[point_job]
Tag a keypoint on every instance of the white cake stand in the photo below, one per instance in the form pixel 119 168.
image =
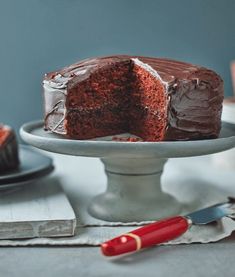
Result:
pixel 133 169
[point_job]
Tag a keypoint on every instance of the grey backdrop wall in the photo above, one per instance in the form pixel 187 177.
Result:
pixel 38 36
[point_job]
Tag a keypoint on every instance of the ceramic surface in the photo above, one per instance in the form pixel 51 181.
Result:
pixel 133 169
pixel 34 134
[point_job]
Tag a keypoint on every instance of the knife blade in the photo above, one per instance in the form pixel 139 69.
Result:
pixel 165 229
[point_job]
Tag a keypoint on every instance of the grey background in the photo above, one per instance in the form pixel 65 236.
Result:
pixel 38 36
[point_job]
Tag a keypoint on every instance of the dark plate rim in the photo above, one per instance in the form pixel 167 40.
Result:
pixel 34 173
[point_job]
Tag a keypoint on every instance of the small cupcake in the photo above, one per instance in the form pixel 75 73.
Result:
pixel 9 157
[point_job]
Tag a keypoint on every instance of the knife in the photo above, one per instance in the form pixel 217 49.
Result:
pixel 166 229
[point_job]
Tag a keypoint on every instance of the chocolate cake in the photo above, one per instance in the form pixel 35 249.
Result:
pixel 152 98
pixel 9 159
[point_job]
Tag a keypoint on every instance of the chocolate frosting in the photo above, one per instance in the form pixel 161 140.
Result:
pixel 195 94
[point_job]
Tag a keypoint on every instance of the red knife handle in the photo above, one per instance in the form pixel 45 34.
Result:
pixel 149 235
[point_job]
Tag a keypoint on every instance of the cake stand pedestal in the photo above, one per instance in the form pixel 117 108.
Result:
pixel 133 170
pixel 133 191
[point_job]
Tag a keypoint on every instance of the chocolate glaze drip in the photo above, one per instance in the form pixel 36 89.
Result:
pixel 195 94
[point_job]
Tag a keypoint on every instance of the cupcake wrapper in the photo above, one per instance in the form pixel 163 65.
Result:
pixel 9 158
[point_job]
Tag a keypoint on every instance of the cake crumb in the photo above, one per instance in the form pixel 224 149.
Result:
pixel 126 139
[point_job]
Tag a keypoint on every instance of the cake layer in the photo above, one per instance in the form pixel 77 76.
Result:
pixel 98 122
pixel 107 85
pixel 161 99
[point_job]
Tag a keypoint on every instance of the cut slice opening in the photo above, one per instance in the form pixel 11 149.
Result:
pixel 119 98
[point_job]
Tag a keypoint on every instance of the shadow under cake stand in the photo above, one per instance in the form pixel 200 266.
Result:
pixel 133 169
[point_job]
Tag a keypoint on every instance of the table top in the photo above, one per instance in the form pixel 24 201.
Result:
pixel 214 259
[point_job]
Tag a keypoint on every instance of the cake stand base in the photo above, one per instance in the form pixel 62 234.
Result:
pixel 133 192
